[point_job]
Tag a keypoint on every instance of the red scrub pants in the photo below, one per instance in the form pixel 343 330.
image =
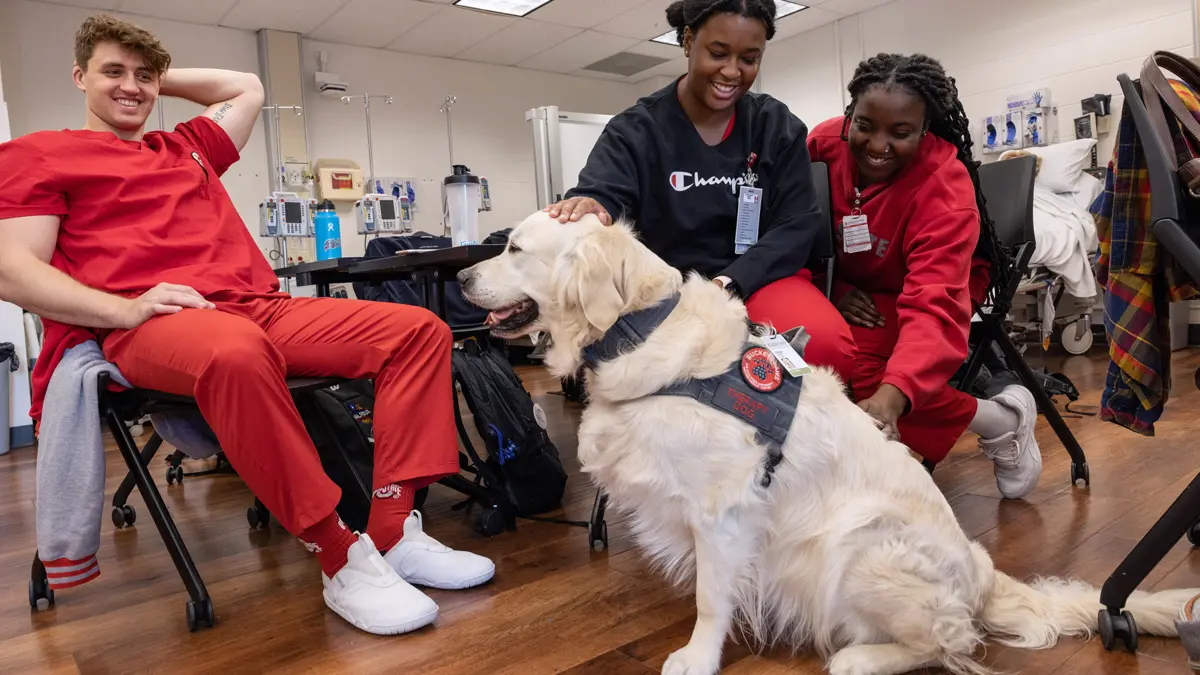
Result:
pixel 930 429
pixel 234 360
pixel 796 301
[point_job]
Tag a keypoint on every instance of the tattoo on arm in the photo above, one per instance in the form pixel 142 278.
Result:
pixel 220 113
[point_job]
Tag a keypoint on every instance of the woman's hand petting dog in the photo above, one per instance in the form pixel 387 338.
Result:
pixel 577 207
pixel 886 406
pixel 859 310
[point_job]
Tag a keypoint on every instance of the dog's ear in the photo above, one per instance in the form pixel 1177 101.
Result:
pixel 588 282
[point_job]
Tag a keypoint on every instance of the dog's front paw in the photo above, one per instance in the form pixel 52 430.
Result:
pixel 851 661
pixel 693 661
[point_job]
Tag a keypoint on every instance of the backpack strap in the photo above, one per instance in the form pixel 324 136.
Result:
pixel 1157 90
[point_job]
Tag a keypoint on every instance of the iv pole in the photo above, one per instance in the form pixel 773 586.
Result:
pixel 370 144
pixel 278 170
pixel 446 105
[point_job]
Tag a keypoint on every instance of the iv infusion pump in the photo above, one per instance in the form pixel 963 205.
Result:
pixel 285 214
pixel 382 213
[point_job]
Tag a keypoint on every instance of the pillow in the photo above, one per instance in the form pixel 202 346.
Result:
pixel 1063 163
pixel 1087 188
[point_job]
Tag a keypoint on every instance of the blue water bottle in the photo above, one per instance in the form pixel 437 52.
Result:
pixel 329 232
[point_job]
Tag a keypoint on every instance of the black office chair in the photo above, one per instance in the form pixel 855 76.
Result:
pixel 1177 237
pixel 115 408
pixel 821 261
pixel 1008 188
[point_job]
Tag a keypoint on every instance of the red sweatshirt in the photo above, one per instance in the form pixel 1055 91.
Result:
pixel 924 227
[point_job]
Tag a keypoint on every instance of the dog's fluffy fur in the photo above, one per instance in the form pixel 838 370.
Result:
pixel 851 550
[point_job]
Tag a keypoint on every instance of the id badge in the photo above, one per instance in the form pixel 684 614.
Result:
pixel 856 236
pixel 749 211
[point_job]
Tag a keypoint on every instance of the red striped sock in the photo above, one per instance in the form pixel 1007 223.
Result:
pixel 389 509
pixel 331 540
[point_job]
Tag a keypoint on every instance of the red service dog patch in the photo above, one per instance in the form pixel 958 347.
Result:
pixel 760 370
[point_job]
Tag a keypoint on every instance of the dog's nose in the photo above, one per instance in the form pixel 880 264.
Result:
pixel 465 277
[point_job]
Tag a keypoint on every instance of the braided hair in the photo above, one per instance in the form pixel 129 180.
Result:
pixel 946 119
pixel 684 14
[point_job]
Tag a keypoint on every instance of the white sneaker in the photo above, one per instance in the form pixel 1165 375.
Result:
pixel 1017 457
pixel 422 560
pixel 369 594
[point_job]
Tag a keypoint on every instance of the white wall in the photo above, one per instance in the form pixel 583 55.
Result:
pixel 491 135
pixel 1075 47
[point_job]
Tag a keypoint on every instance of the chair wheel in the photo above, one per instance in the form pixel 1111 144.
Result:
pixel 200 614
pixel 489 522
pixel 1081 472
pixel 599 535
pixel 40 590
pixel 175 475
pixel 1193 534
pixel 123 515
pixel 1113 626
pixel 258 518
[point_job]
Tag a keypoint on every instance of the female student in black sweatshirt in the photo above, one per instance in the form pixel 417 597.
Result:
pixel 679 163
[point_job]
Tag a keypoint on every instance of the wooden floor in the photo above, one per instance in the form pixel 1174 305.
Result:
pixel 555 606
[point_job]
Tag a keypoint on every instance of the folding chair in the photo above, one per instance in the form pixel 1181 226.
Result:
pixel 115 408
pixel 1177 237
pixel 1008 188
pixel 821 261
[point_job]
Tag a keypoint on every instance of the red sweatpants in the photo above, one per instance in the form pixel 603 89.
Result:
pixel 932 428
pixel 795 301
pixel 234 361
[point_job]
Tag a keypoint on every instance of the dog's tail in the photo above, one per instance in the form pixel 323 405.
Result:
pixel 1034 616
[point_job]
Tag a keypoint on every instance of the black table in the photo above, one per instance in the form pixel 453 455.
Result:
pixel 320 273
pixel 431 267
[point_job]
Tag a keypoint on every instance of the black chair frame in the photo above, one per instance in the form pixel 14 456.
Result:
pixel 1177 236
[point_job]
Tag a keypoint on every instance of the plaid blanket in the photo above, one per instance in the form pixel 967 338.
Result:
pixel 1140 281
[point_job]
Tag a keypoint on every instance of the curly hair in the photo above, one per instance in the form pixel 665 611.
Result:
pixel 925 77
pixel 101 28
pixel 693 14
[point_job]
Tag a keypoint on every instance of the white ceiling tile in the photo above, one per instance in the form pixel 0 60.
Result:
pixel 644 21
pixel 849 7
pixel 516 42
pixel 450 31
pixel 578 52
pixel 293 16
pixel 802 22
pixel 90 4
pixel 372 23
pixel 656 49
pixel 206 13
pixel 582 13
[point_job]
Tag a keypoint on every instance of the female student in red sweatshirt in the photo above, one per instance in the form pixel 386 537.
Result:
pixel 916 249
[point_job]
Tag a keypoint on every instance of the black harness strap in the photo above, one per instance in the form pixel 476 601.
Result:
pixel 770 412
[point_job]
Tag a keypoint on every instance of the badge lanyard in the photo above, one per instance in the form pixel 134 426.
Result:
pixel 749 212
pixel 856 235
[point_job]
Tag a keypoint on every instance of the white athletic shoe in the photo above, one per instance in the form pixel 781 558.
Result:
pixel 1017 457
pixel 369 594
pixel 422 560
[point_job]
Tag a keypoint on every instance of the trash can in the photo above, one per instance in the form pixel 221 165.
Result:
pixel 8 365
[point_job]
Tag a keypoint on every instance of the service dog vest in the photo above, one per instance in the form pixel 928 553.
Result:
pixel 755 389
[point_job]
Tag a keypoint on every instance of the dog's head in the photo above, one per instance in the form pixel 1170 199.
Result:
pixel 572 280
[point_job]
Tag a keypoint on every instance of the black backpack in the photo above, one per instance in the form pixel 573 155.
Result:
pixel 521 461
pixel 341 420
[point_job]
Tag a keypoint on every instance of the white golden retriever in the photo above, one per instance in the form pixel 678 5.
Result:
pixel 851 549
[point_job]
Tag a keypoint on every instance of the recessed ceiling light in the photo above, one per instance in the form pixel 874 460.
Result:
pixel 782 8
pixel 509 7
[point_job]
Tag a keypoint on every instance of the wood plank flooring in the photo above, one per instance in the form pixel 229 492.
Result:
pixel 556 606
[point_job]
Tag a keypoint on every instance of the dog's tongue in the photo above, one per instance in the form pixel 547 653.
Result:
pixel 500 315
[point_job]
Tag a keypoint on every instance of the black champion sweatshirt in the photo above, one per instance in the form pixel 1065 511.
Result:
pixel 651 168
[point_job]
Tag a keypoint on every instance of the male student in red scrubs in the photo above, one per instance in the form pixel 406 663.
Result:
pixel 129 238
pixel 916 249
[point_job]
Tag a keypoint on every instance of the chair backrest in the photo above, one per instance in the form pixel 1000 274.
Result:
pixel 1168 212
pixel 821 258
pixel 1008 188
